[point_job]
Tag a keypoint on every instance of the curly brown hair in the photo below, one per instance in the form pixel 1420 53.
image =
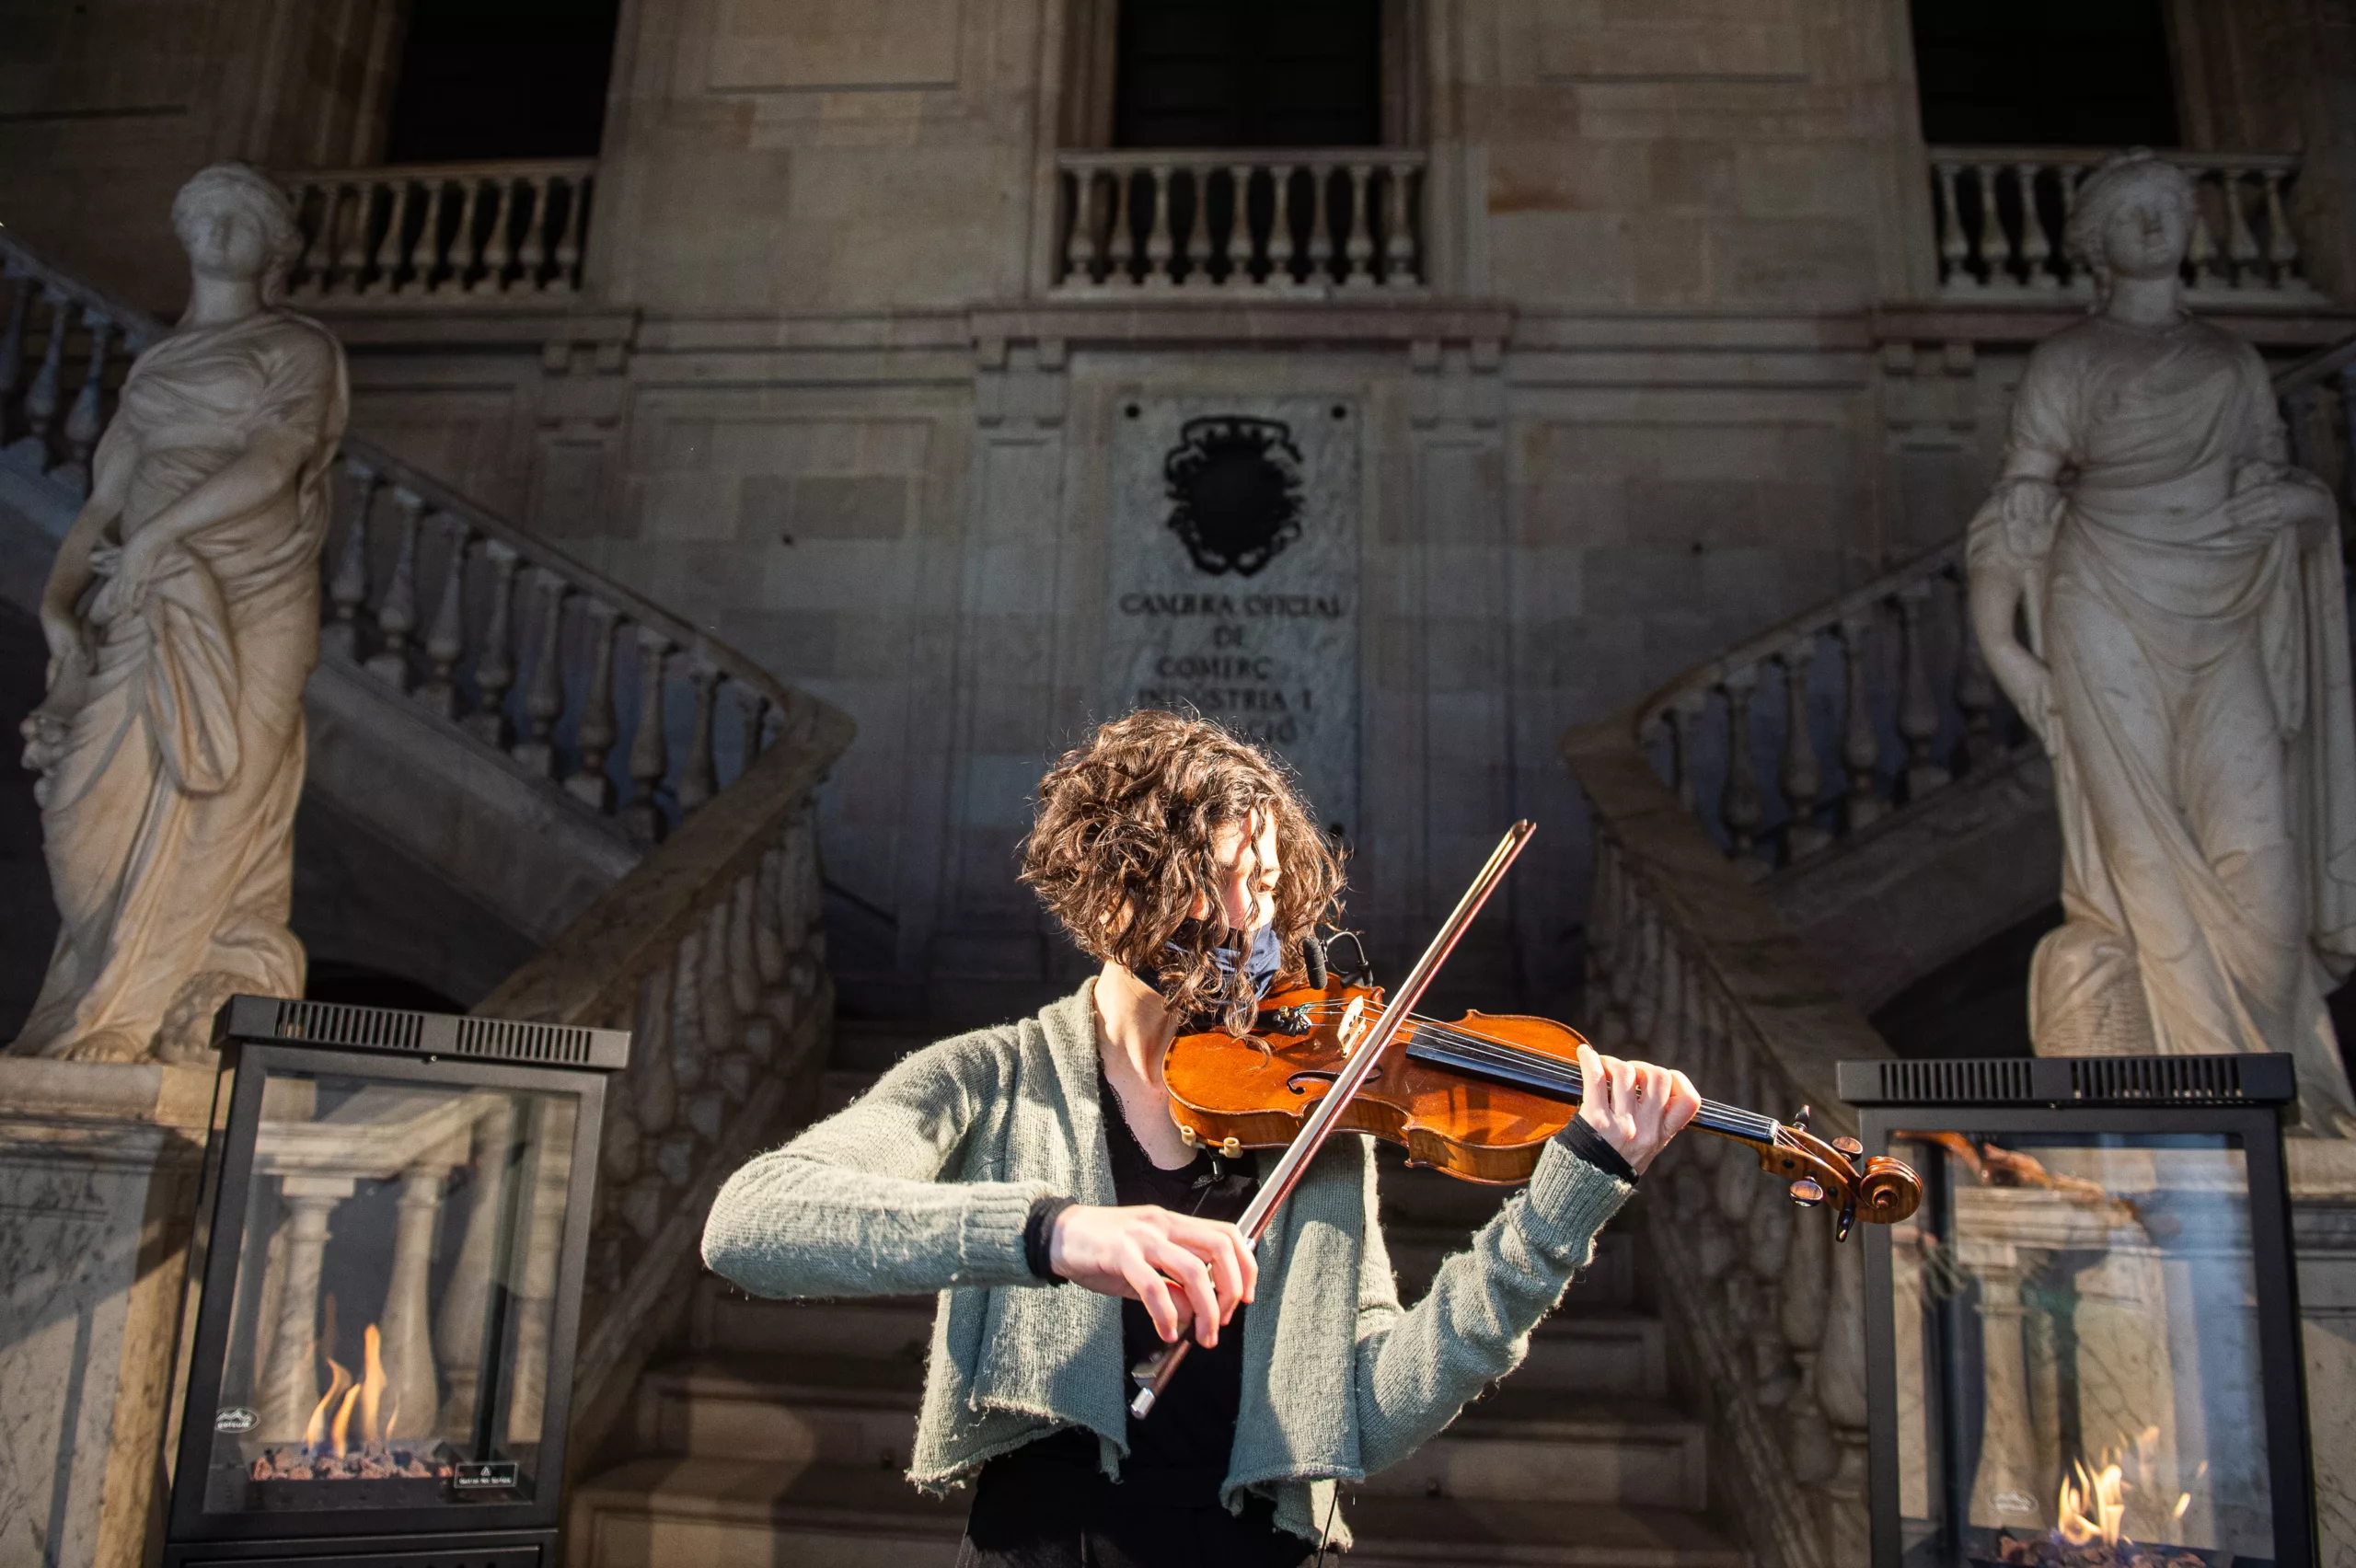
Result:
pixel 1124 840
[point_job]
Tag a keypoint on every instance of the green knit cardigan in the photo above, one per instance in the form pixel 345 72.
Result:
pixel 925 1183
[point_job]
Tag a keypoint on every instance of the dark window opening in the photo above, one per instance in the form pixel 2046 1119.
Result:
pixel 1234 74
pixel 502 79
pixel 2045 72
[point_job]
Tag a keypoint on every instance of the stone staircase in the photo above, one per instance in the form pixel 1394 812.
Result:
pixel 779 1431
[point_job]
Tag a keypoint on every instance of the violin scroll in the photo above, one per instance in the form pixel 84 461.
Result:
pixel 1881 1190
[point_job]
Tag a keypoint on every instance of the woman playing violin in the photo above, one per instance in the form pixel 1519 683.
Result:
pixel 1031 1174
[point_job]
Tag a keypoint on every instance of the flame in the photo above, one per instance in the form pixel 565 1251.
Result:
pixel 342 1434
pixel 371 1385
pixel 315 1432
pixel 2106 1490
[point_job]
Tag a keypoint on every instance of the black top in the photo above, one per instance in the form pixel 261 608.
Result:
pixel 1048 1505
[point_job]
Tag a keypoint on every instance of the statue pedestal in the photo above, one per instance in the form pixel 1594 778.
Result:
pixel 2323 1227
pixel 98 1172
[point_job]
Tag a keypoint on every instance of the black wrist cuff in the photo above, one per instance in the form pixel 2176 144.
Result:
pixel 1037 1231
pixel 1593 1147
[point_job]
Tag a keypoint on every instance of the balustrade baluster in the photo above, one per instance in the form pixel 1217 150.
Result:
pixel 387 261
pixel 543 703
pixel 1238 250
pixel 1994 247
pixel 1975 690
pixel 2200 250
pixel 496 251
pixel 1358 252
pixel 1954 250
pixel 1918 706
pixel 1198 236
pixel 752 714
pixel 465 248
pixel 1742 805
pixel 348 588
pixel 2241 245
pixel 446 642
pixel 1157 239
pixel 397 612
pixel 2037 246
pixel 1280 249
pixel 1121 243
pixel 1400 268
pixel 597 729
pixel 495 665
pixel 2348 438
pixel 650 748
pixel 353 261
pixel 311 268
pixel 426 255
pixel 1080 245
pixel 1683 715
pixel 12 341
pixel 40 398
pixel 568 250
pixel 2282 244
pixel 1321 222
pixel 2079 280
pixel 532 255
pixel 83 425
pixel 1802 778
pixel 1860 741
pixel 698 775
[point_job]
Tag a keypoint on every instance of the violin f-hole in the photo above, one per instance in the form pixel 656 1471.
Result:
pixel 1299 1082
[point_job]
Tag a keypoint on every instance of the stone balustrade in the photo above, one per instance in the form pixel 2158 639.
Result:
pixel 2001 211
pixel 1691 967
pixel 711 953
pixel 566 674
pixel 442 233
pixel 1221 221
pixel 1865 707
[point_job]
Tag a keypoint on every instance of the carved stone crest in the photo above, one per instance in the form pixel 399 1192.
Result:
pixel 1234 488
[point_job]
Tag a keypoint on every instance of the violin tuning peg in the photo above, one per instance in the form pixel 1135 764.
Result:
pixel 1853 1148
pixel 1800 1121
pixel 1807 1193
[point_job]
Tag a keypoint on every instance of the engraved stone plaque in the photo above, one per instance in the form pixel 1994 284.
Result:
pixel 1233 587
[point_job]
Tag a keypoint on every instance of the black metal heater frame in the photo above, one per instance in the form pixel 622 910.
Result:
pixel 2245 1097
pixel 258 1035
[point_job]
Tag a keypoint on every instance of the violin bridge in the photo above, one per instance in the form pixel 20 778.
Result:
pixel 1352 1026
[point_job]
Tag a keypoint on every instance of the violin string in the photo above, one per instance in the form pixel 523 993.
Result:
pixel 1713 1114
pixel 1475 1052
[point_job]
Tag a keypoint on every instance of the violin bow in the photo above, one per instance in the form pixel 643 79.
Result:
pixel 1153 1374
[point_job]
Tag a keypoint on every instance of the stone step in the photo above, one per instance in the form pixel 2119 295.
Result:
pixel 739 1513
pixel 1541 1446
pixel 1528 1443
pixel 831 1410
pixel 1608 1282
pixel 1593 1351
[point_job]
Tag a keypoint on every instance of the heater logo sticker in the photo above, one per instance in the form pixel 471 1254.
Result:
pixel 485 1475
pixel 235 1418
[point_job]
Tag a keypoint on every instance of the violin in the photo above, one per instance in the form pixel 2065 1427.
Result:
pixel 1477 1098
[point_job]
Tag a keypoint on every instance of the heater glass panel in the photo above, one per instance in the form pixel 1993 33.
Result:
pixel 395 1297
pixel 2078 1364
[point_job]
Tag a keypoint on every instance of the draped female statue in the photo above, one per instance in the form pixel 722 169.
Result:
pixel 182 618
pixel 2185 666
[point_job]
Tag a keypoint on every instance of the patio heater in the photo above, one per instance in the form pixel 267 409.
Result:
pixel 2083 1350
pixel 385 1288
